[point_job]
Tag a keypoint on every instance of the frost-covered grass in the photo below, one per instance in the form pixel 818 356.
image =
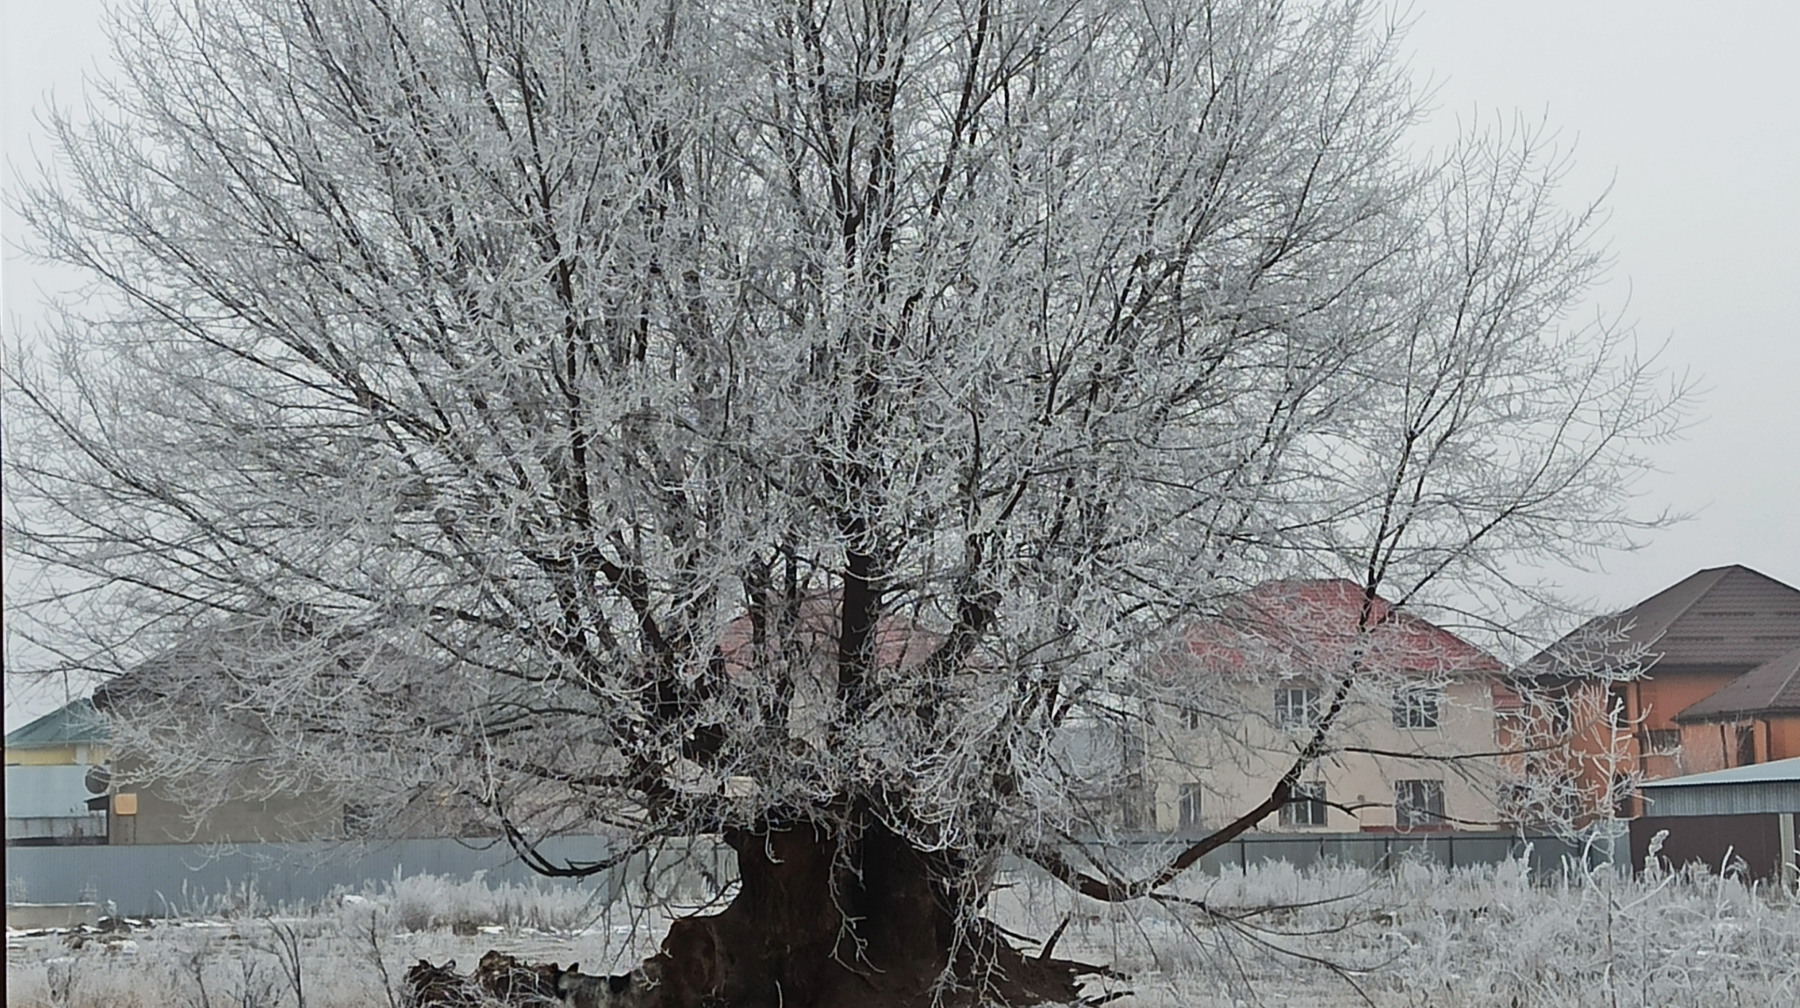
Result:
pixel 354 950
pixel 1426 935
pixel 1419 935
pixel 428 902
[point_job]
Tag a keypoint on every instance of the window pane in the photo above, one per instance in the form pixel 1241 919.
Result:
pixel 1307 807
pixel 1416 707
pixel 1190 805
pixel 1418 804
pixel 1296 706
pixel 1315 808
pixel 1662 741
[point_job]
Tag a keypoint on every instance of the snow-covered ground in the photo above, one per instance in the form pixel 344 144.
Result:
pixel 1419 935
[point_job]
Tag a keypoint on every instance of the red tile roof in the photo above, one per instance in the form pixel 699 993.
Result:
pixel 899 642
pixel 1294 627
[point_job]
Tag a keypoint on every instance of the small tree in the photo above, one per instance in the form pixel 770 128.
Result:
pixel 775 418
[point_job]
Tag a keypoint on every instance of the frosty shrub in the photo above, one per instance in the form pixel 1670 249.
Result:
pixel 424 902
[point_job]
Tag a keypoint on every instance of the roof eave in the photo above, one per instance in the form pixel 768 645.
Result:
pixel 1748 713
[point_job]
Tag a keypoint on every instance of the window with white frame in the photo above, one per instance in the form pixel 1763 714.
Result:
pixel 1417 706
pixel 1306 806
pixel 1296 706
pixel 1419 804
pixel 1661 741
pixel 1188 806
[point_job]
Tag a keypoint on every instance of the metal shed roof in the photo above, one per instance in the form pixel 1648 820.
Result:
pixel 74 722
pixel 1756 789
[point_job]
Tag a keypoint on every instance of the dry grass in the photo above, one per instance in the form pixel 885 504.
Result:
pixel 1420 935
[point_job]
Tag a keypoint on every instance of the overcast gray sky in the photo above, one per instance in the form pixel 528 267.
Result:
pixel 1689 112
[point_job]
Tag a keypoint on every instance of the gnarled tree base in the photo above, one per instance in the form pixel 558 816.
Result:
pixel 882 936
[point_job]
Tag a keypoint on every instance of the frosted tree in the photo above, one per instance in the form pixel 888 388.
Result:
pixel 780 419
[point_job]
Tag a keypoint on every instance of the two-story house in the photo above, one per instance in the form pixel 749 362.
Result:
pixel 1704 675
pixel 1411 744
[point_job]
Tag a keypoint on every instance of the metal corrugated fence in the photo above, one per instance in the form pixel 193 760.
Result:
pixel 1740 798
pixel 155 880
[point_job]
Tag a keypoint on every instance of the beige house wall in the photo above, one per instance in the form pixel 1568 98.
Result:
pixel 158 819
pixel 71 754
pixel 141 812
pixel 1237 764
pixel 161 821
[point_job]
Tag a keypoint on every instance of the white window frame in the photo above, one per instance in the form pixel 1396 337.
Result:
pixel 1308 806
pixel 1409 815
pixel 1296 706
pixel 1653 736
pixel 1418 708
pixel 1188 805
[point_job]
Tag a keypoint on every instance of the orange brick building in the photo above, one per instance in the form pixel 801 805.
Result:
pixel 1709 678
pixel 1755 719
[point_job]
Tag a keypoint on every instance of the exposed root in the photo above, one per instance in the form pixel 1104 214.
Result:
pixel 813 925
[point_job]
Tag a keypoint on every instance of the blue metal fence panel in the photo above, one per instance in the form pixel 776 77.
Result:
pixel 159 879
pixel 153 880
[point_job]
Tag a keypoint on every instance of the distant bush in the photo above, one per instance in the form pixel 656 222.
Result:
pixel 430 902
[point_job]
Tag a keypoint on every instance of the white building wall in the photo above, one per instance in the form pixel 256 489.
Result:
pixel 1237 763
pixel 36 792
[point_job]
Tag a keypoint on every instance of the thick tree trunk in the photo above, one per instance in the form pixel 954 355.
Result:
pixel 817 925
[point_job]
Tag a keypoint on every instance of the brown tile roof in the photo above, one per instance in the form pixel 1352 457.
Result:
pixel 1719 618
pixel 1770 688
